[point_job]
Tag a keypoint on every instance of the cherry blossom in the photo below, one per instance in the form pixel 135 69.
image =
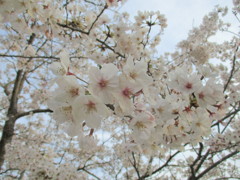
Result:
pixel 85 94
pixel 89 109
pixel 61 68
pixel 104 82
pixel 136 73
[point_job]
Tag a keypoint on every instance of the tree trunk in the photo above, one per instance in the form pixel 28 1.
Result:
pixel 7 134
pixel 8 129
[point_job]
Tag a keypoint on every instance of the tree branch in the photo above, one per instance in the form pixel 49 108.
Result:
pixel 227 116
pixel 32 57
pixel 8 129
pixel 232 71
pixel 193 171
pixel 163 166
pixel 202 160
pixel 110 48
pixel 98 16
pixel 216 164
pixel 93 175
pixel 80 30
pixel 19 115
pixel 12 110
pixel 134 164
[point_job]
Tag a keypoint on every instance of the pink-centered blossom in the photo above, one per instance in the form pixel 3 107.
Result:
pixel 89 109
pixel 68 90
pixel 123 96
pixel 136 73
pixel 103 82
pixel 61 68
pixel 182 81
pixel 142 125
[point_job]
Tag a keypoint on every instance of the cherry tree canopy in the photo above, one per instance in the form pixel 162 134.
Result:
pixel 86 95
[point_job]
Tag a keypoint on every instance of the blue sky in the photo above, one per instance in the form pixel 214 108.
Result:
pixel 181 16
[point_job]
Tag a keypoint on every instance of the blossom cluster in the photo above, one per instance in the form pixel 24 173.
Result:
pixel 229 140
pixel 114 103
pixel 181 112
pixel 162 103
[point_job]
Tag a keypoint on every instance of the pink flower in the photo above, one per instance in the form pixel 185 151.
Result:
pixel 124 94
pixel 103 82
pixel 89 109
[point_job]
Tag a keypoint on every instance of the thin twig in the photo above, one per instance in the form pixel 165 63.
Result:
pixel 232 70
pixel 216 164
pixel 33 57
pixel 19 115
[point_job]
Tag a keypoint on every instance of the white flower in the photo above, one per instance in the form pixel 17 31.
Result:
pixel 124 94
pixel 142 125
pixel 201 123
pixel 200 54
pixel 182 81
pixel 97 57
pixel 68 89
pixel 89 109
pixel 63 115
pixel 103 82
pixel 137 73
pixel 87 144
pixel 209 94
pixel 73 128
pixel 163 110
pixel 189 84
pixel 61 68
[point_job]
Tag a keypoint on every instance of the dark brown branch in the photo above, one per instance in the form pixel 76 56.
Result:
pixel 78 57
pixel 38 57
pixel 149 165
pixel 193 171
pixel 65 151
pixel 89 31
pixel 8 129
pixel 116 176
pixel 72 28
pixel 41 45
pixel 12 110
pixel 90 2
pixel 134 164
pixel 216 164
pixel 148 35
pixel 19 115
pixel 80 30
pixel 228 123
pixel 100 41
pixel 11 169
pixel 32 57
pixel 88 172
pixel 232 177
pixel 232 70
pixel 227 116
pixel 21 175
pixel 202 160
pixel 110 48
pixel 235 14
pixel 93 175
pixel 163 166
pixel 98 16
